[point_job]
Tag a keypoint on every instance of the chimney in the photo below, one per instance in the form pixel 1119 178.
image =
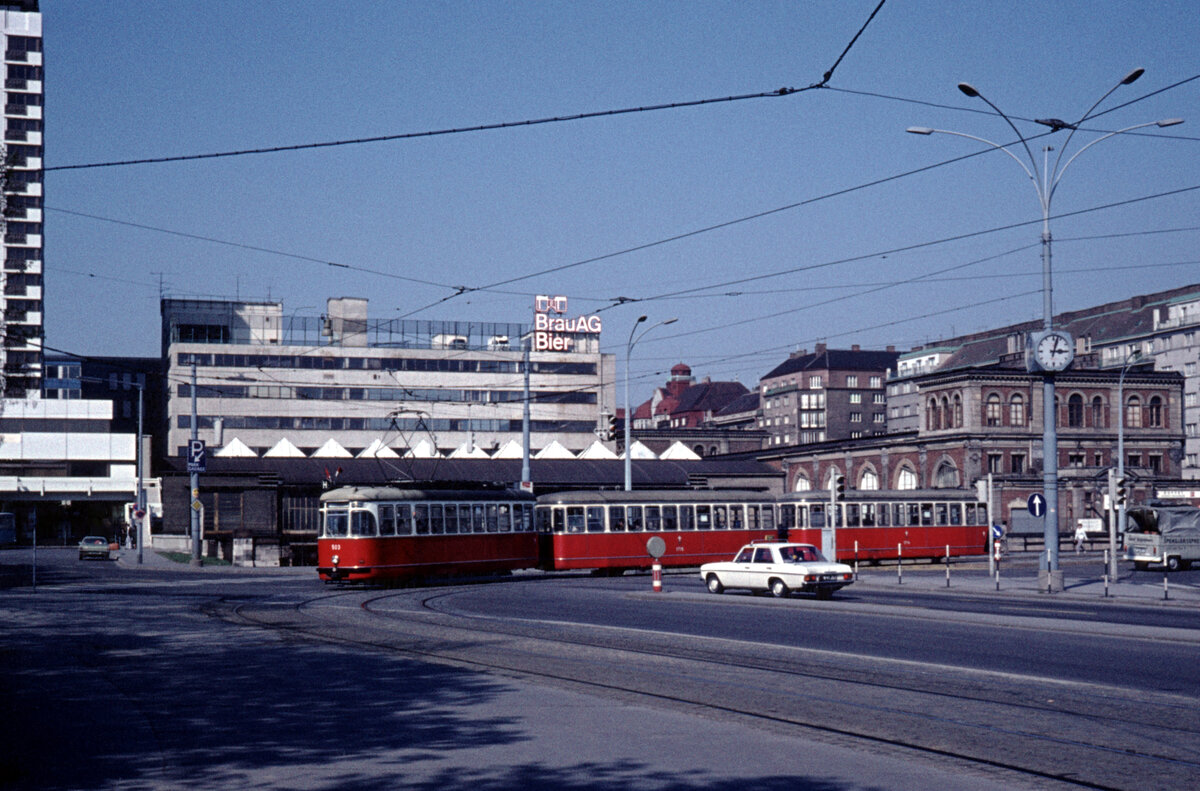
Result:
pixel 820 349
pixel 854 347
pixel 891 348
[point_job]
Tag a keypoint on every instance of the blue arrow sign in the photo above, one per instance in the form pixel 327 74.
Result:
pixel 1036 504
pixel 997 532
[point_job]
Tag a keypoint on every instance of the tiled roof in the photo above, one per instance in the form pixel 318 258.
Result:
pixel 709 396
pixel 836 360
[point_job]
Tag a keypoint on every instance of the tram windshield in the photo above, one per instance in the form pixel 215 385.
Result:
pixel 337 523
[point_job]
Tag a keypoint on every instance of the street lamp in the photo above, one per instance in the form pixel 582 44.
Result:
pixel 628 410
pixel 1050 351
pixel 1130 358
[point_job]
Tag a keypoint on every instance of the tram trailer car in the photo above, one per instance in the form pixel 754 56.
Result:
pixel 608 530
pixel 391 534
pixel 874 525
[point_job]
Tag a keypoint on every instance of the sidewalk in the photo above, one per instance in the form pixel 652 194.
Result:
pixel 1083 578
pixel 153 559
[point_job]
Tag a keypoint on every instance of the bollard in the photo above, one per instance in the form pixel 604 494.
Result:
pixel 947 565
pixel 1106 584
pixel 899 564
pixel 1166 593
pixel 657 573
pixel 856 561
pixel 997 577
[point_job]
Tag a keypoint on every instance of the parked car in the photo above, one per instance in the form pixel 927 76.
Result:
pixel 94 547
pixel 780 568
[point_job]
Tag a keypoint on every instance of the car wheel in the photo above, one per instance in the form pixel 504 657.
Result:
pixel 778 588
pixel 1173 564
pixel 714 584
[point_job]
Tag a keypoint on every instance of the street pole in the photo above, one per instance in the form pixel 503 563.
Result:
pixel 628 408
pixel 141 491
pixel 526 480
pixel 194 481
pixel 1045 181
pixel 1120 507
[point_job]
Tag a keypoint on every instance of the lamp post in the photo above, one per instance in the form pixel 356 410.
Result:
pixel 1132 356
pixel 1050 351
pixel 628 409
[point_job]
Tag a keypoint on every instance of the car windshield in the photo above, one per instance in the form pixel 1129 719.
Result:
pixel 800 554
pixel 94 541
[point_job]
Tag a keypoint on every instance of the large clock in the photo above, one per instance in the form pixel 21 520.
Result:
pixel 1053 350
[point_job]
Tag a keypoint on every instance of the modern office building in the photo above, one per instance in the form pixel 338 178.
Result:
pixel 21 185
pixel 341 385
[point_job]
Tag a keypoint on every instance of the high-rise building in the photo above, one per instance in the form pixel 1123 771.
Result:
pixel 21 325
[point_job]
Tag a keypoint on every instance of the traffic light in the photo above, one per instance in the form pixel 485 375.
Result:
pixel 839 487
pixel 610 427
pixel 1120 493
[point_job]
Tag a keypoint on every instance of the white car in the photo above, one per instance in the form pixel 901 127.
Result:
pixel 780 568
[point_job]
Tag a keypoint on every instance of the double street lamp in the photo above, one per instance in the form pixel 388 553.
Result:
pixel 628 410
pixel 1048 351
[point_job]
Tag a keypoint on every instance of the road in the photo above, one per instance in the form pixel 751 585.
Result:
pixel 126 677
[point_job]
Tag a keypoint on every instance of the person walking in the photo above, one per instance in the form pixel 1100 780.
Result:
pixel 1080 537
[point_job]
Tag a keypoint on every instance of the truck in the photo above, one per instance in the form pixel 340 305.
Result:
pixel 1163 535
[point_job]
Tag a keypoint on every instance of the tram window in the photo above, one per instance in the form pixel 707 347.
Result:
pixel 505 514
pixel 437 525
pixel 719 519
pixel 817 512
pixel 635 518
pixel 616 518
pixel 336 523
pixel 704 517
pixel 421 519
pixel 451 511
pixel 801 516
pixel 970 514
pixel 898 515
pixel 543 519
pixel 687 517
pixel 884 513
pixel 493 518
pixel 575 519
pixel 940 509
pixel 595 519
pixel 362 523
pixel 787 516
pixel 653 519
pixel 478 519
pixel 735 518
pixel 926 514
pixel 768 517
pixel 670 518
pixel 852 519
pixel 559 522
pixel 404 520
pixel 981 514
pixel 914 514
pixel 527 518
pixel 387 520
pixel 868 514
pixel 956 513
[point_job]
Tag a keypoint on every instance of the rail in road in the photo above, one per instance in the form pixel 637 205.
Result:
pixel 1048 730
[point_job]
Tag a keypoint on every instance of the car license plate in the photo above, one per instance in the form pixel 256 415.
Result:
pixel 828 577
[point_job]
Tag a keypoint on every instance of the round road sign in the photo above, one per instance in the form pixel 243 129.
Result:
pixel 656 547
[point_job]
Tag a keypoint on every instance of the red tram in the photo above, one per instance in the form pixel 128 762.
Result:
pixel 874 525
pixel 389 533
pixel 608 530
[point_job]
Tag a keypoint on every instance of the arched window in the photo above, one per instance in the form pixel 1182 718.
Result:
pixel 1154 412
pixel 1075 410
pixel 947 415
pixel 906 478
pixel 698 450
pixel 958 415
pixel 1133 412
pixel 991 415
pixel 1098 420
pixel 868 480
pixel 802 484
pixel 932 418
pixel 1016 410
pixel 946 476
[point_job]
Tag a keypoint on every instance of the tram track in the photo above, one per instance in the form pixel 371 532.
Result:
pixel 936 713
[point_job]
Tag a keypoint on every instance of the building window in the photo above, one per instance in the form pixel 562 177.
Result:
pixel 856 398
pixel 876 381
pixel 814 383
pixel 803 484
pixel 995 463
pixel 958 413
pixel 1134 460
pixel 868 481
pixel 856 417
pixel 992 411
pixel 1154 414
pixel 851 381
pixel 906 479
pixel 1017 466
pixel 1154 462
pixel 1133 412
pixel 878 398
pixel 1098 420
pixel 1016 410
pixel 879 417
pixel 1075 411
pixel 1075 459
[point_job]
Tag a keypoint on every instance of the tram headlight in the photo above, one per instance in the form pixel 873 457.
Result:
pixel 335 559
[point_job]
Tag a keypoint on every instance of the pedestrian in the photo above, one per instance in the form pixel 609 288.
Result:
pixel 1080 537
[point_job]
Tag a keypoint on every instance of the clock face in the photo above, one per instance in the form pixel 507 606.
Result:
pixel 1055 351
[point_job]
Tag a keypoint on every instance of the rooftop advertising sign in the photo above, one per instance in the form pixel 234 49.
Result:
pixel 553 331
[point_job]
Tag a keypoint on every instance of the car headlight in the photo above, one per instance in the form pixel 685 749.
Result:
pixel 335 559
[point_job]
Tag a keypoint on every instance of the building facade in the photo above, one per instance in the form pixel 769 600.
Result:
pixel 829 394
pixel 21 321
pixel 264 378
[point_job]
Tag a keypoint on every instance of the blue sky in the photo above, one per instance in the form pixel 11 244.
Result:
pixel 414 218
